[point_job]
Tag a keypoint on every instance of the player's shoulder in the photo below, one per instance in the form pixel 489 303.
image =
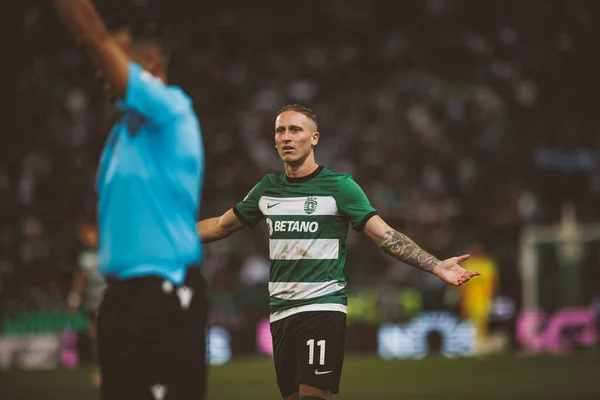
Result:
pixel 334 176
pixel 340 183
pixel 266 181
pixel 272 178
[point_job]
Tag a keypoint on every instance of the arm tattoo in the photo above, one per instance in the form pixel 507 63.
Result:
pixel 400 246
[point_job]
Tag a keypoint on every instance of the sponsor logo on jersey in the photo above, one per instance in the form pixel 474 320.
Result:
pixel 292 226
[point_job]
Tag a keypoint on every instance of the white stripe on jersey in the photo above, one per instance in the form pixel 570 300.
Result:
pixel 303 290
pixel 325 205
pixel 304 249
pixel 309 307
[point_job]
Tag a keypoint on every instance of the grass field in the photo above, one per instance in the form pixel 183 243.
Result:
pixel 365 378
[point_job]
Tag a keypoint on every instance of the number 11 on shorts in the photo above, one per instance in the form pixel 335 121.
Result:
pixel 311 351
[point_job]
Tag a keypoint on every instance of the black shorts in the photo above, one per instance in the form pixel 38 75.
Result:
pixel 152 339
pixel 308 348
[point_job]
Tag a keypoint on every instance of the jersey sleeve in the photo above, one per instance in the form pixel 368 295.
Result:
pixel 353 203
pixel 151 98
pixel 248 210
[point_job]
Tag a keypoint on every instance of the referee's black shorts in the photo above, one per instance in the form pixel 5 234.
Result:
pixel 152 339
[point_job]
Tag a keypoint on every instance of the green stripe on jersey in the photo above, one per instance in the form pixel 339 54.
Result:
pixel 302 227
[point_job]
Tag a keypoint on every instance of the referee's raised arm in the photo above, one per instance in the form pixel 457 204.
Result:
pixel 87 28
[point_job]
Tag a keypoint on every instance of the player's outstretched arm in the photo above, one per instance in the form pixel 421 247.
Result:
pixel 401 247
pixel 87 28
pixel 213 229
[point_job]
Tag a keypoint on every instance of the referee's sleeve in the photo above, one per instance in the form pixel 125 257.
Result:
pixel 152 98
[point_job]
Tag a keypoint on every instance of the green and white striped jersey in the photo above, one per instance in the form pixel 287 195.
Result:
pixel 308 220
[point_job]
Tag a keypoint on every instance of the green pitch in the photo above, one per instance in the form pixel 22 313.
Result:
pixel 365 378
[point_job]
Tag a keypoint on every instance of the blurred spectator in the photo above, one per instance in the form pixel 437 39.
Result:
pixel 477 299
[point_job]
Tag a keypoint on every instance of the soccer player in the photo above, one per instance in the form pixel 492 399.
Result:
pixel 307 211
pixel 152 318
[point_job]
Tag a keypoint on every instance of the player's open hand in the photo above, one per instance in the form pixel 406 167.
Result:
pixel 452 273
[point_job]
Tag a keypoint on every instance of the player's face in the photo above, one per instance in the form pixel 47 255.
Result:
pixel 295 136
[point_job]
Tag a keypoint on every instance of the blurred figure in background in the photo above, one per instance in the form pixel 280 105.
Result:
pixel 477 298
pixel 88 285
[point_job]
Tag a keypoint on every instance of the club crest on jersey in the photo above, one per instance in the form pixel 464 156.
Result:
pixel 310 205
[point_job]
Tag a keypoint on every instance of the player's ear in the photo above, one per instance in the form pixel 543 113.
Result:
pixel 315 138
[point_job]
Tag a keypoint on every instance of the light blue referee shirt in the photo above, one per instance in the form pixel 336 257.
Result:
pixel 149 184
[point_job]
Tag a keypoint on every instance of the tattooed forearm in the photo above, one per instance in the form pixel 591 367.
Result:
pixel 400 246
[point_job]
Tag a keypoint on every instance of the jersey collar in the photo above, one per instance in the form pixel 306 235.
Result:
pixel 305 178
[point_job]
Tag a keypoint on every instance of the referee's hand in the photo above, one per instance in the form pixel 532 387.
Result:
pixel 452 273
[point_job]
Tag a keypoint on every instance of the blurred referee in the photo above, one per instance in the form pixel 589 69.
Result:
pixel 152 319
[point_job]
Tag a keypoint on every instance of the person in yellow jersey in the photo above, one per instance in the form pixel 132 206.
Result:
pixel 477 297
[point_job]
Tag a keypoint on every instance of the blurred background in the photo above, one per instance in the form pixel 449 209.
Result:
pixel 471 125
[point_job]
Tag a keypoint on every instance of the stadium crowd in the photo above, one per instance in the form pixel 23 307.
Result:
pixel 462 121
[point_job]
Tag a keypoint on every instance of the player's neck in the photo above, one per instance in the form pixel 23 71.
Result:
pixel 298 171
